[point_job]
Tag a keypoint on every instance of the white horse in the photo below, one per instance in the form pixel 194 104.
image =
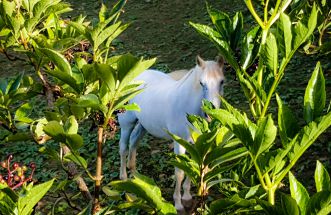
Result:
pixel 165 103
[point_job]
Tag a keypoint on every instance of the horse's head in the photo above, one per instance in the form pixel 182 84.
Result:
pixel 211 79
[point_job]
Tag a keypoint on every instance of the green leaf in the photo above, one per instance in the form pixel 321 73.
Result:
pixel 58 59
pixel 132 107
pixel 8 7
pixel 289 205
pixel 250 47
pixel 74 141
pixel 146 189
pixel 105 34
pixel 315 95
pixel 188 146
pixel 103 13
pixel 91 101
pixel 221 44
pixel 120 103
pixel 16 83
pixel 205 142
pixel 284 34
pixel 77 159
pixel 55 130
pixel 71 125
pixel 222 23
pixel 265 135
pixel 32 197
pixel 237 25
pixel 320 203
pixel 106 75
pixel 322 178
pixel 131 71
pixel 23 112
pixel 270 53
pixel 287 122
pixel 303 31
pixel 299 193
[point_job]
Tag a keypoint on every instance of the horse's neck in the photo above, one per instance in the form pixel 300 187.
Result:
pixel 188 91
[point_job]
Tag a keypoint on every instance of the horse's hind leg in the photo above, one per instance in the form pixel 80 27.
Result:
pixel 136 135
pixel 127 123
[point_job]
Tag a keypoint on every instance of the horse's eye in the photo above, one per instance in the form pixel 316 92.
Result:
pixel 201 84
pixel 222 82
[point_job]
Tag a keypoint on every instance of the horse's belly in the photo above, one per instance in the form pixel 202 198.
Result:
pixel 154 119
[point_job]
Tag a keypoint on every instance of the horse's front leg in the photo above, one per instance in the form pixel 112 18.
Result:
pixel 187 197
pixel 179 177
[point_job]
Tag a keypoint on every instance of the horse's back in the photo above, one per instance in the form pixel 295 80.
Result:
pixel 154 101
pixel 151 76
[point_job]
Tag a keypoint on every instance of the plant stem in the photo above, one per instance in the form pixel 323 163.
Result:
pixel 98 175
pixel 271 195
pixel 253 12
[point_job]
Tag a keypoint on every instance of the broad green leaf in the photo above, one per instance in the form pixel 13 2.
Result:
pixel 132 107
pixel 118 31
pixel 74 141
pixel 120 102
pixel 65 78
pixel 146 189
pixel 190 167
pixel 106 75
pixel 188 146
pixel 103 13
pixel 250 47
pixel 303 31
pixel 265 135
pixel 270 53
pixel 315 95
pixel 284 34
pixel 8 7
pixel 320 203
pixel 205 142
pixel 306 137
pixel 105 34
pixel 16 83
pixel 222 155
pixel 71 125
pixel 58 59
pixel 32 197
pixel 237 25
pixel 41 7
pixel 287 123
pixel 289 205
pixel 222 23
pixel 299 193
pixel 221 44
pixel 23 112
pixel 20 136
pixel 91 101
pixel 77 159
pixel 231 203
pixel 236 122
pixel 130 72
pixel 55 130
pixel 322 178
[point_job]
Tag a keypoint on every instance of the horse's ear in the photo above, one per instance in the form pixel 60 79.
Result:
pixel 200 62
pixel 220 60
